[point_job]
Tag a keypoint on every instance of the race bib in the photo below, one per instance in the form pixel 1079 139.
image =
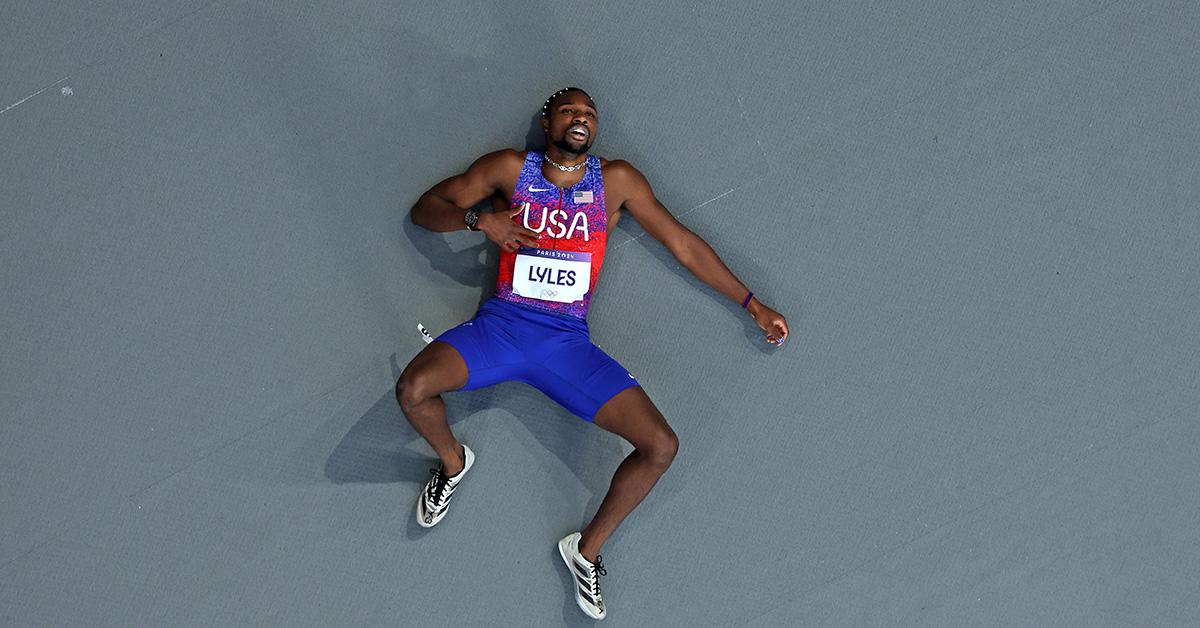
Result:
pixel 559 276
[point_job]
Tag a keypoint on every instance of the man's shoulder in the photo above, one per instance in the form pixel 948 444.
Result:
pixel 499 165
pixel 621 173
pixel 503 157
pixel 619 166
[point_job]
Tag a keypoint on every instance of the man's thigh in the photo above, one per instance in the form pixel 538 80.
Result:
pixel 579 376
pixel 485 347
pixel 631 415
pixel 438 368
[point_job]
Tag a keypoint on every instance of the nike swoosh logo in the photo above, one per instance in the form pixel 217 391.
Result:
pixel 533 189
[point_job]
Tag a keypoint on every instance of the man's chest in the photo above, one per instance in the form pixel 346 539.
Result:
pixel 573 216
pixel 538 199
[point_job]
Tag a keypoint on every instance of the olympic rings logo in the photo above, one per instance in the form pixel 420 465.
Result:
pixel 549 293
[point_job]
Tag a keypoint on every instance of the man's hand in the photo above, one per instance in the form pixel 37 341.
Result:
pixel 506 233
pixel 769 321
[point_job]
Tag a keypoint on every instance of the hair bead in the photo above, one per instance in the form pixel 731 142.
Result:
pixel 555 95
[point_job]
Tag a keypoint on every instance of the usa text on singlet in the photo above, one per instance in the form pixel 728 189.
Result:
pixel 560 274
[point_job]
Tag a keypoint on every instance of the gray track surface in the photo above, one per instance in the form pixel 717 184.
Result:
pixel 981 222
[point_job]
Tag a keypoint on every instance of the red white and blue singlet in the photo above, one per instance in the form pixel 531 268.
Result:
pixel 558 275
pixel 534 329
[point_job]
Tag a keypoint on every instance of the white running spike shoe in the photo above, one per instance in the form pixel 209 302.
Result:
pixel 433 502
pixel 584 575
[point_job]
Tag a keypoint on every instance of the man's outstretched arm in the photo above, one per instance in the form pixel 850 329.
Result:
pixel 690 249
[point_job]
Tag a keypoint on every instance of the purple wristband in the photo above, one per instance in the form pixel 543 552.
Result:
pixel 747 301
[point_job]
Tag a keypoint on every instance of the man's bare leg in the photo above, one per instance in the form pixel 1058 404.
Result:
pixel 632 416
pixel 438 368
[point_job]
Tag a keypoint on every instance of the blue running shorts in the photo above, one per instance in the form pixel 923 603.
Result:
pixel 553 353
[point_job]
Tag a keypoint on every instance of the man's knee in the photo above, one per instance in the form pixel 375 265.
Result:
pixel 662 448
pixel 437 369
pixel 413 388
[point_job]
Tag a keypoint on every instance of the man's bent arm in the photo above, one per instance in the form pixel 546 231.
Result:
pixel 444 206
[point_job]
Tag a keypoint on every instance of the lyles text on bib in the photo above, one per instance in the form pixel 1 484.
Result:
pixel 550 275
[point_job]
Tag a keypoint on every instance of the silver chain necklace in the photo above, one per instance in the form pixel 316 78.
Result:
pixel 565 168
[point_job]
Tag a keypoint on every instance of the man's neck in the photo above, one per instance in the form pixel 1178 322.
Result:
pixel 558 177
pixel 563 157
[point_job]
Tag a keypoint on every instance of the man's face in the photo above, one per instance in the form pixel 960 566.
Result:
pixel 570 123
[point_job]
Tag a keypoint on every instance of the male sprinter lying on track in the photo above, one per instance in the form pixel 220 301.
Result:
pixel 562 203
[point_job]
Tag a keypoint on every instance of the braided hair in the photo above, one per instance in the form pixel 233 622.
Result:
pixel 553 97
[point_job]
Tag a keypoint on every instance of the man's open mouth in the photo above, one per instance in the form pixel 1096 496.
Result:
pixel 578 132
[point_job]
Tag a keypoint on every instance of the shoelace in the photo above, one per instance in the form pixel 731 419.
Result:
pixel 438 489
pixel 597 571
